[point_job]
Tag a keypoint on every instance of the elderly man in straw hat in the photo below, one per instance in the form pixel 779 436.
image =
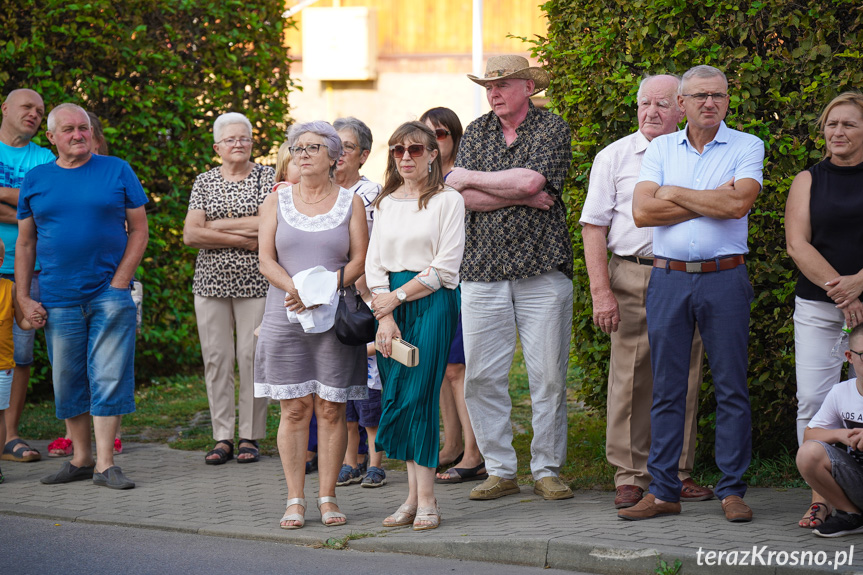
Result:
pixel 516 273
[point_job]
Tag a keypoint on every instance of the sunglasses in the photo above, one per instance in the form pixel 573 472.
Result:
pixel 441 134
pixel 415 150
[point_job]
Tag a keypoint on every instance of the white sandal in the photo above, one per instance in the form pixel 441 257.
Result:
pixel 331 514
pixel 403 516
pixel 301 519
pixel 428 515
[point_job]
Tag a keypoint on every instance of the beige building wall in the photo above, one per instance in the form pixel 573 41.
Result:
pixel 424 55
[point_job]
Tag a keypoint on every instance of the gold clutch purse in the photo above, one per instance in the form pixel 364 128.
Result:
pixel 404 353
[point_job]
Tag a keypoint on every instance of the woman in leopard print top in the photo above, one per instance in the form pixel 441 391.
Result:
pixel 230 291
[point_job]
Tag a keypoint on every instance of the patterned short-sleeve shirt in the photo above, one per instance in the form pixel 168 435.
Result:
pixel 518 242
pixel 230 272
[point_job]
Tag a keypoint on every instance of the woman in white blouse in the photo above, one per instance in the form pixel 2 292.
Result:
pixel 412 269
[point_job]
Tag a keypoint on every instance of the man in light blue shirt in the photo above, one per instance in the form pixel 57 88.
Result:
pixel 22 115
pixel 695 189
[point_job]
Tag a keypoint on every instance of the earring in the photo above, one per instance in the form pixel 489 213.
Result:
pixel 429 167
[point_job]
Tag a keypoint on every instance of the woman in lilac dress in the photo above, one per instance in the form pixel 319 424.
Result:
pixel 313 223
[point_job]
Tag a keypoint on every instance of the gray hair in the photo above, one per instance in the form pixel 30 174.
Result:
pixel 52 115
pixel 358 127
pixel 226 120
pixel 702 71
pixel 649 77
pixel 322 129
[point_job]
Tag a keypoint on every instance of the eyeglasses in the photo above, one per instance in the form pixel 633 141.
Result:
pixel 859 353
pixel 348 148
pixel 701 97
pixel 441 134
pixel 231 142
pixel 415 150
pixel 311 149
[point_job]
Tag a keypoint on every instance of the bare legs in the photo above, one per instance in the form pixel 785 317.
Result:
pixel 420 488
pixel 814 465
pixel 293 439
pixel 454 382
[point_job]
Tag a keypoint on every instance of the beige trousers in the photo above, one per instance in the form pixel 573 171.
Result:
pixel 630 382
pixel 217 318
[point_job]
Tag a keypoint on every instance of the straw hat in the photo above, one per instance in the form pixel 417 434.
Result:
pixel 511 66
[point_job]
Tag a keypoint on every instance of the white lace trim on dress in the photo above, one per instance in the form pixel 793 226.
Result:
pixel 293 391
pixel 321 223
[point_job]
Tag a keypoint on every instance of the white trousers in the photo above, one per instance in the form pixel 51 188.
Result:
pixel 540 308
pixel 217 317
pixel 817 326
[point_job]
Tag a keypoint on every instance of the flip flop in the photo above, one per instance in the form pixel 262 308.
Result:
pixel 812 515
pixel 14 449
pixel 463 474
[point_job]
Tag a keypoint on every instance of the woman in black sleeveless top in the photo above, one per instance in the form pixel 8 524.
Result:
pixel 824 235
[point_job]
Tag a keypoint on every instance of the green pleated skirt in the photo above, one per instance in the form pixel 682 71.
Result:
pixel 410 429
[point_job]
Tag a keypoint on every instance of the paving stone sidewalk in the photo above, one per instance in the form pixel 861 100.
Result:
pixel 176 491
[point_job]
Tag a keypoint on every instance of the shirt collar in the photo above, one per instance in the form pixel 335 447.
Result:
pixel 721 137
pixel 641 142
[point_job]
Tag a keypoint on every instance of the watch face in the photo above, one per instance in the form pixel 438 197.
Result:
pixel 400 293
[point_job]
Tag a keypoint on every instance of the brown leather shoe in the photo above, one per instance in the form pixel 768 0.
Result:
pixel 627 496
pixel 691 491
pixel 736 510
pixel 648 508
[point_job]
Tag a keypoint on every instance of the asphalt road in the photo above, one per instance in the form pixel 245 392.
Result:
pixel 40 546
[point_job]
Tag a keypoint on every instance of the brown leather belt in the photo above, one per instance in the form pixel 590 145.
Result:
pixel 637 260
pixel 728 263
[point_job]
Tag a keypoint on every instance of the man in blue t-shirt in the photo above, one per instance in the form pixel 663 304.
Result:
pixel 22 115
pixel 83 216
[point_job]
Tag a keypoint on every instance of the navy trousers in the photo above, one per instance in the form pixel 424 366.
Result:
pixel 719 303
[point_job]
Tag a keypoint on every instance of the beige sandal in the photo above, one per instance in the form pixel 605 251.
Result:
pixel 430 516
pixel 301 519
pixel 325 518
pixel 403 516
pixel 818 511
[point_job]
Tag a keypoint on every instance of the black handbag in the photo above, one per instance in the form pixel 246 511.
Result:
pixel 355 325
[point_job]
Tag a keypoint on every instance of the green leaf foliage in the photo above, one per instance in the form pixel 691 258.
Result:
pixel 157 73
pixel 784 60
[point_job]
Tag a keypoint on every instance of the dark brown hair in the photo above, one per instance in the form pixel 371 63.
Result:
pixel 447 119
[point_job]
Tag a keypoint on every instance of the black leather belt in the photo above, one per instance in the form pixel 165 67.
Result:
pixel 728 263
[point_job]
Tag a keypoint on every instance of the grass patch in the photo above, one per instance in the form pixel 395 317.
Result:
pixel 342 542
pixel 175 411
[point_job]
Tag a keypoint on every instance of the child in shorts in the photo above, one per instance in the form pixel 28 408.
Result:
pixel 9 311
pixel 366 413
pixel 837 472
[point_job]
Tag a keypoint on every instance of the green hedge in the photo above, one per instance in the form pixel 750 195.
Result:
pixel 157 72
pixel 784 60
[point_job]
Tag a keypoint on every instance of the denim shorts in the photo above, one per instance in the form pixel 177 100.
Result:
pixel 23 338
pixel 366 411
pixel 847 472
pixel 92 352
pixel 5 388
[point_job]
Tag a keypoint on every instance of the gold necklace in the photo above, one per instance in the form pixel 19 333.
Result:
pixel 317 202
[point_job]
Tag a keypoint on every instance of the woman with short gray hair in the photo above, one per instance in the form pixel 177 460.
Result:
pixel 356 140
pixel 222 223
pixel 305 226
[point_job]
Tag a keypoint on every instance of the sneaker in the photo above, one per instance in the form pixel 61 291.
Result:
pixel 839 524
pixel 348 475
pixel 375 477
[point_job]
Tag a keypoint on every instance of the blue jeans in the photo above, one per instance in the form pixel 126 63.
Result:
pixel 92 353
pixel 719 302
pixel 23 338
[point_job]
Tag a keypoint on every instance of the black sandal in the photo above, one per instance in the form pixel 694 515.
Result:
pixel 224 456
pixel 252 450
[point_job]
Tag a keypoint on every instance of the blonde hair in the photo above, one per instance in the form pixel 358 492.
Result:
pixel 854 98
pixel 283 161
